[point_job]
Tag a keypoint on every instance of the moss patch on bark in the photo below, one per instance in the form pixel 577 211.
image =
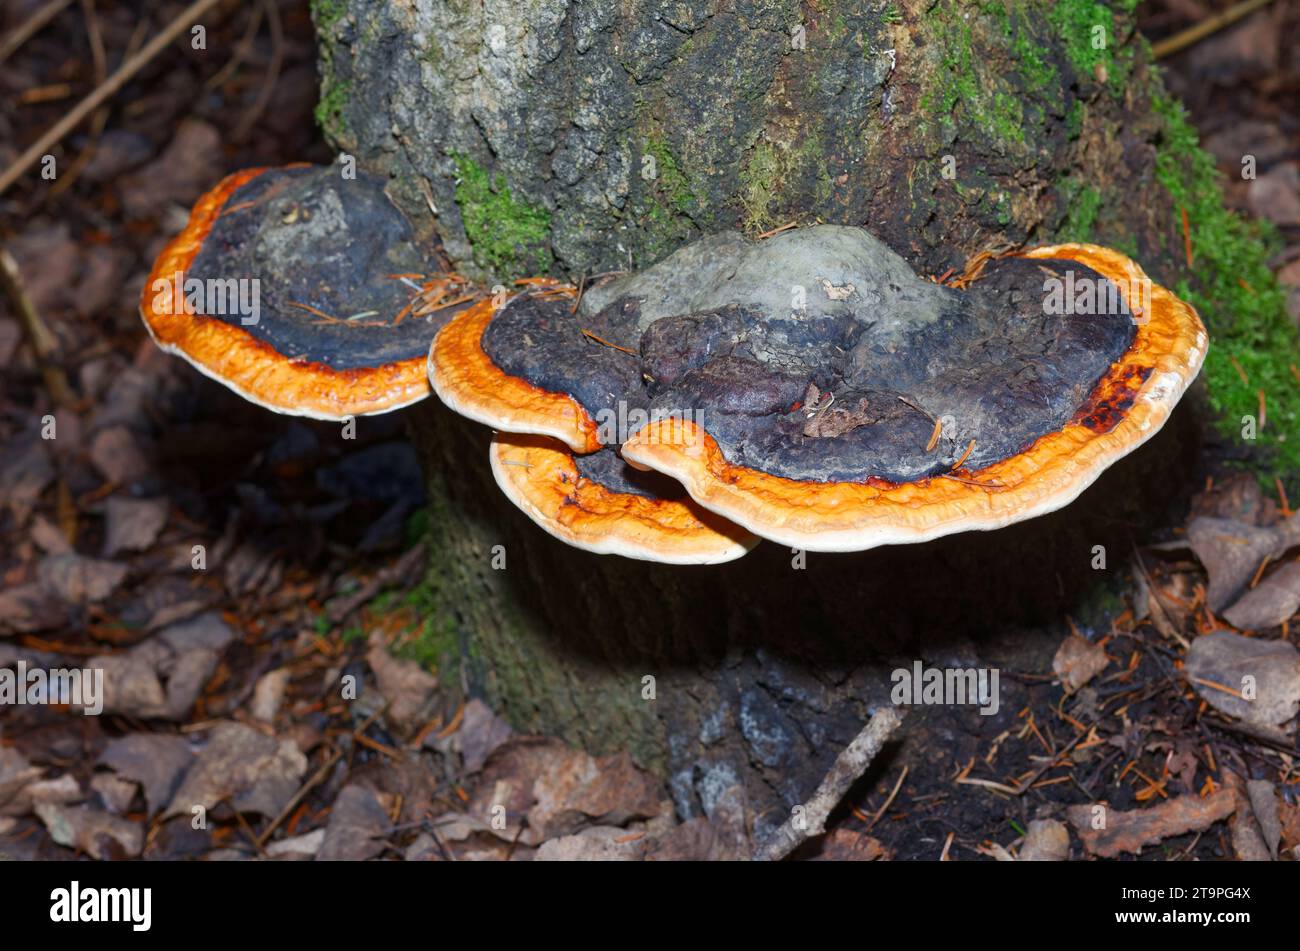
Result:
pixel 509 236
pixel 1254 348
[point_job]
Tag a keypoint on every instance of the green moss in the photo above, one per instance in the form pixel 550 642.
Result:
pixel 892 15
pixel 669 178
pixel 1074 119
pixel 759 179
pixel 329 111
pixel 326 13
pixel 960 81
pixel 1082 205
pixel 334 92
pixel 1035 70
pixel 1236 293
pixel 435 642
pixel 1075 22
pixel 1005 118
pixel 509 236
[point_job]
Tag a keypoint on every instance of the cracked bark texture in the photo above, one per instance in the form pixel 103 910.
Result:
pixel 577 137
pixel 574 137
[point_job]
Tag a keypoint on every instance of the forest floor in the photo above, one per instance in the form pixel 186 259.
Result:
pixel 232 566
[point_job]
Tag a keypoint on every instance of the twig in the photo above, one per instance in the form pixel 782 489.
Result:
pixel 100 59
pixel 33 25
pixel 43 344
pixel 603 341
pixel 317 777
pixel 247 829
pixel 1194 34
pixel 894 792
pixel 776 231
pixel 292 804
pixel 848 766
pixel 272 72
pixel 103 92
pixel 388 575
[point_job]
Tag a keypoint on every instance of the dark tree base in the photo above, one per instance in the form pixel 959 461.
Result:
pixel 762 671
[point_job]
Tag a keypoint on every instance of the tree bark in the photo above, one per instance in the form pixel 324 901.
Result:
pixel 575 138
pixel 765 668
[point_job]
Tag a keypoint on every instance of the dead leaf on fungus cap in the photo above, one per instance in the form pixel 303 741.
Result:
pixel 303 291
pixel 813 390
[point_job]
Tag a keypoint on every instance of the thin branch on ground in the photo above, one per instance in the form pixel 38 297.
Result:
pixel 848 767
pixel 103 92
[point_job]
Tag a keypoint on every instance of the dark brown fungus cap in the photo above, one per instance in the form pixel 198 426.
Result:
pixel 815 391
pixel 303 291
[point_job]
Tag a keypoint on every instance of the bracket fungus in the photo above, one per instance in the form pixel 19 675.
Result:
pixel 811 389
pixel 305 291
pixel 597 503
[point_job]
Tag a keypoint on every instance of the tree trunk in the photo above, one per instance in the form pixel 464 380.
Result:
pixel 578 137
pixel 575 138
pixel 763 668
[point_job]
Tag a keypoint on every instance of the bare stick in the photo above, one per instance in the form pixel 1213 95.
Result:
pixel 103 92
pixel 33 25
pixel 848 767
pixel 43 343
pixel 1194 34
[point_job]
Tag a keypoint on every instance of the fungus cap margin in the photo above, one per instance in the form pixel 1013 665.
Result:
pixel 1169 346
pixel 466 379
pixel 254 369
pixel 538 474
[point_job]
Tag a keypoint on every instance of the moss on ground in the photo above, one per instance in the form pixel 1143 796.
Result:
pixel 508 235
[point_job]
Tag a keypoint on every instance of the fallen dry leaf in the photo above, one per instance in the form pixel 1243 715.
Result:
pixel 117 794
pixel 559 790
pixel 594 844
pixel 16 773
pixel 406 686
pixel 132 524
pixel 1046 840
pixel 481 732
pixel 255 772
pixel 162 676
pixel 1226 669
pixel 1130 831
pixel 79 580
pixel 1232 552
pixel 157 761
pixel 29 608
pixel 302 846
pixel 1248 840
pixel 1077 661
pixel 1272 601
pixel 357 824
pixel 90 830
pixel 268 695
pixel 1263 804
pixel 845 845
